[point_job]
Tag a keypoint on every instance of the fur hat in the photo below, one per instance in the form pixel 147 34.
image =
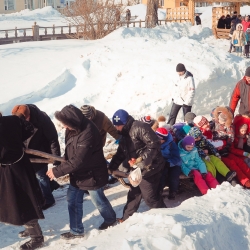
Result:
pixel 21 111
pixel 180 67
pixel 226 115
pixel 200 120
pixel 120 117
pixel 189 117
pixel 162 133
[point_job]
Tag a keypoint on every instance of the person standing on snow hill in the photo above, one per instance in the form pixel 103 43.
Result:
pixel 183 95
pixel 21 198
pixel 238 39
pixel 139 141
pixel 45 138
pixel 192 165
pixel 241 92
pixel 87 169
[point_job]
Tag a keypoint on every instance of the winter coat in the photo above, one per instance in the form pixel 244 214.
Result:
pixel 85 162
pixel 221 23
pixel 170 152
pixel 238 35
pixel 104 125
pixel 245 25
pixel 184 90
pixel 21 198
pixel 228 22
pixel 139 140
pixel 204 144
pixel 180 130
pixel 191 160
pixel 45 137
pixel 241 92
pixel 198 20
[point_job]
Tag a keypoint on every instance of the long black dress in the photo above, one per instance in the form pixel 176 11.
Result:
pixel 20 195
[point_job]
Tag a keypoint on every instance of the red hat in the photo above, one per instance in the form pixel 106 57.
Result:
pixel 162 133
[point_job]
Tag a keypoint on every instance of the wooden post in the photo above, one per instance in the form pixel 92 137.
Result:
pixel 140 23
pixel 35 32
pixel 45 31
pixel 15 31
pixel 69 29
pixel 61 30
pixel 191 11
pixel 24 33
pixel 6 33
pixel 237 7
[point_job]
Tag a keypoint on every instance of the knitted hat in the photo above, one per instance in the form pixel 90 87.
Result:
pixel 247 73
pixel 21 110
pixel 189 117
pixel 87 111
pixel 146 119
pixel 162 133
pixel 200 120
pixel 180 67
pixel 195 132
pixel 120 117
pixel 222 118
pixel 188 141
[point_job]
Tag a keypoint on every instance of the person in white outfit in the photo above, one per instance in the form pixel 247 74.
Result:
pixel 183 95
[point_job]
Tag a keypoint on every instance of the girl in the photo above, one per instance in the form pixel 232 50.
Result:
pixel 238 39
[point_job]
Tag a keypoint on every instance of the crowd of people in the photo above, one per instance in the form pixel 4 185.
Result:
pixel 209 152
pixel 239 34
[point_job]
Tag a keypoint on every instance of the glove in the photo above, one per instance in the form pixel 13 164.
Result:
pixel 204 175
pixel 207 158
pixel 246 154
pixel 132 162
pixel 218 155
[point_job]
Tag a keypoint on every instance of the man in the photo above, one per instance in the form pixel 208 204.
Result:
pixel 139 140
pixel 20 196
pixel 183 95
pixel 197 19
pixel 45 139
pixel 86 166
pixel 241 92
pixel 101 121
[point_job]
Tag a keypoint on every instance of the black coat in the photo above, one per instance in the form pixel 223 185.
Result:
pixel 45 137
pixel 83 151
pixel 228 22
pixel 221 24
pixel 139 140
pixel 20 195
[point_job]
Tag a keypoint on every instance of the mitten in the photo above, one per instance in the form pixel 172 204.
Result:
pixel 207 158
pixel 246 154
pixel 218 155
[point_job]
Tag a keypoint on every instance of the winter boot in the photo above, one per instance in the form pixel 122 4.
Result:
pixel 120 220
pixel 105 225
pixel 70 236
pixel 24 234
pixel 230 175
pixel 32 244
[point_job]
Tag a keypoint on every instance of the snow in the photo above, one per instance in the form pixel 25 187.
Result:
pixel 133 69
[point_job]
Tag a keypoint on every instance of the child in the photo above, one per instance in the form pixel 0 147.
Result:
pixel 192 165
pixel 171 155
pixel 151 122
pixel 205 127
pixel 210 156
pixel 238 39
pixel 163 124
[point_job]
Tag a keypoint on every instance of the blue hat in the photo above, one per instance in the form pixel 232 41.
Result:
pixel 120 117
pixel 188 141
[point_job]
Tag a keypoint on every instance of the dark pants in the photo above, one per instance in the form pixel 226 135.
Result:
pixel 247 50
pixel 44 183
pixel 34 230
pixel 171 176
pixel 149 191
pixel 175 110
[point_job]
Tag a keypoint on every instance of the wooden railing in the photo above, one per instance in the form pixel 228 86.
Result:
pixel 38 33
pixel 221 33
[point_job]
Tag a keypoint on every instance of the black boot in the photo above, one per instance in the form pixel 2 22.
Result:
pixel 36 235
pixel 230 175
pixel 70 236
pixel 32 244
pixel 24 234
pixel 172 195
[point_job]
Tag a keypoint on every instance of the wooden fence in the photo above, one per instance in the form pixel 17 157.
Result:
pixel 38 33
pixel 221 33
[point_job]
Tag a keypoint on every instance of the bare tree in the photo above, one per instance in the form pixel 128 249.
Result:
pixel 151 19
pixel 94 19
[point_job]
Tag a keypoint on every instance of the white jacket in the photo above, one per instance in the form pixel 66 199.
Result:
pixel 184 90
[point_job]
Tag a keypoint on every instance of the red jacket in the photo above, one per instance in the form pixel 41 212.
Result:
pixel 245 25
pixel 241 92
pixel 239 120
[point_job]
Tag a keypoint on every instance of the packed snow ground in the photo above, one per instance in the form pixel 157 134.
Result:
pixel 132 69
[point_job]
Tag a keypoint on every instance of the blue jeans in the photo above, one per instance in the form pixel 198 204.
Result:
pixel 44 183
pixel 75 207
pixel 238 49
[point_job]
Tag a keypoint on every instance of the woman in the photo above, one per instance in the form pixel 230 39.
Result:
pixel 221 22
pixel 21 197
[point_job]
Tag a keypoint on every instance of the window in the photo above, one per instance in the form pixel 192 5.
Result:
pixel 9 5
pixel 28 4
